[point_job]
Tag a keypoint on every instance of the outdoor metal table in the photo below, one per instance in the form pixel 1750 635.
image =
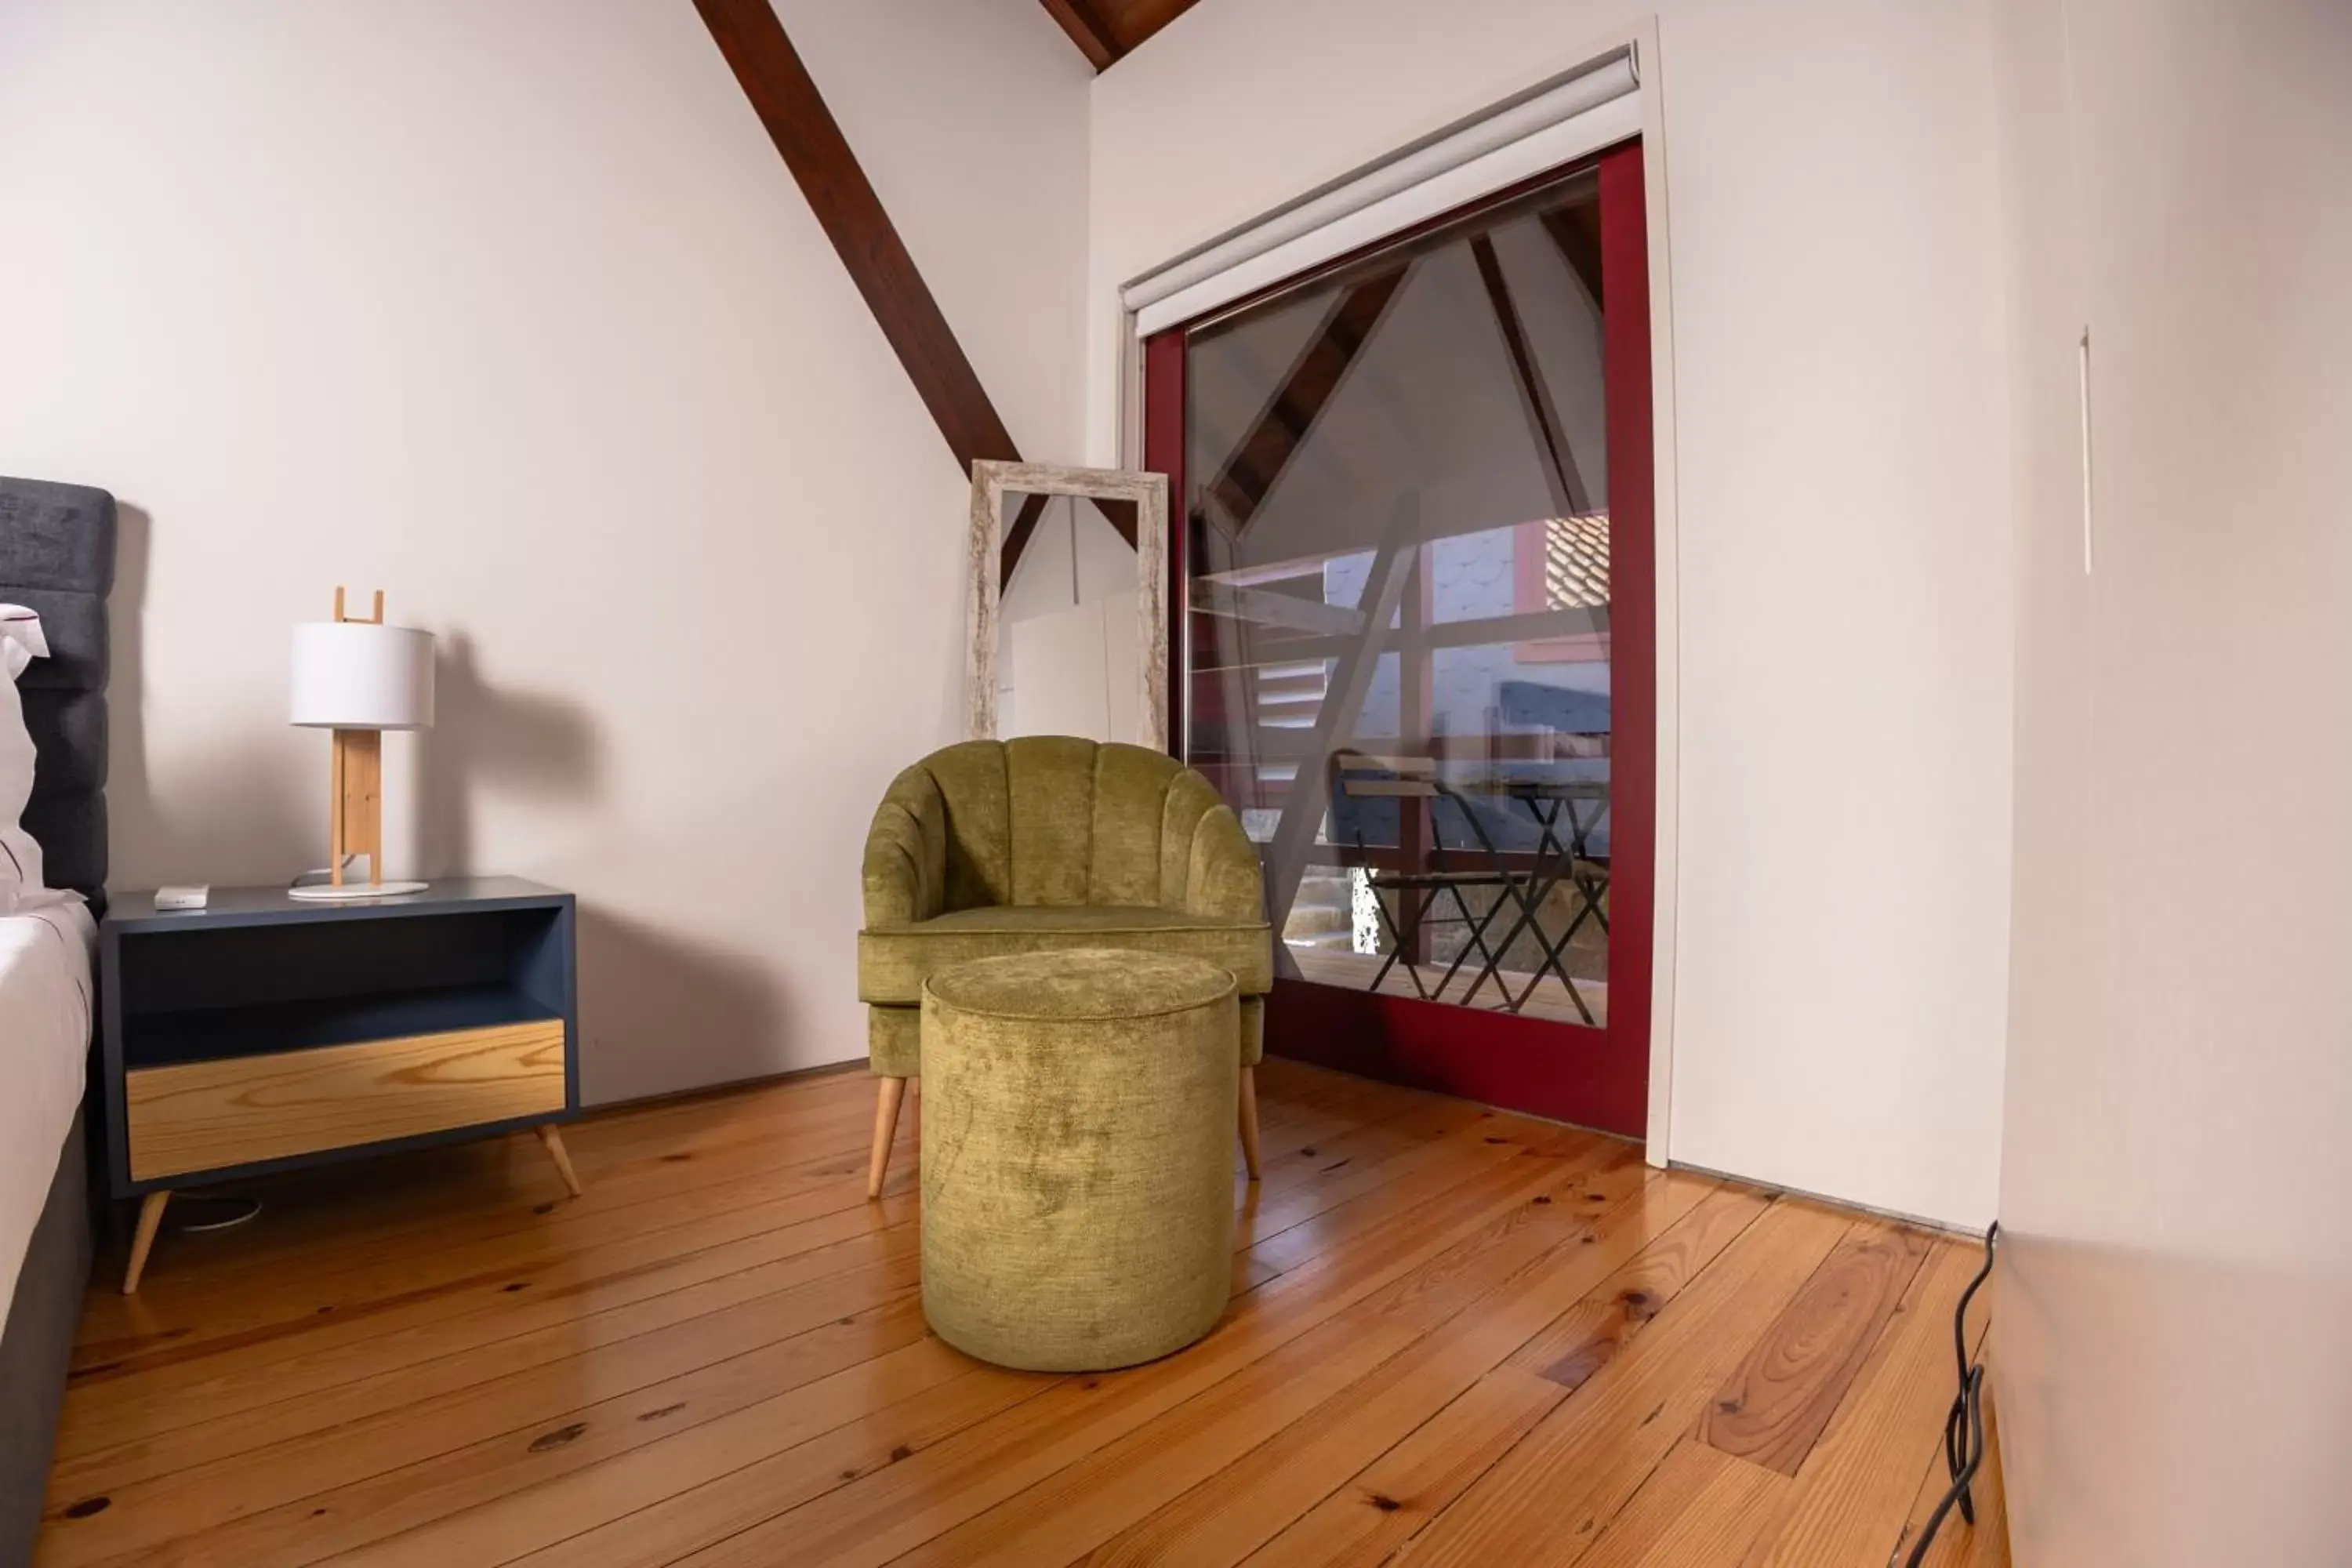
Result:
pixel 1556 860
pixel 1559 860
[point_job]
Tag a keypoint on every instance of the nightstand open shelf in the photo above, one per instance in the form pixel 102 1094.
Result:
pixel 264 1034
pixel 208 1033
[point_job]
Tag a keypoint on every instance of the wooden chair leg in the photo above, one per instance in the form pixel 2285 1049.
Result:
pixel 1249 1121
pixel 552 1141
pixel 891 1096
pixel 142 1240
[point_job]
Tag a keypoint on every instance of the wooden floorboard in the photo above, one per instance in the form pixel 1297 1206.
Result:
pixel 1457 1336
pixel 1773 1409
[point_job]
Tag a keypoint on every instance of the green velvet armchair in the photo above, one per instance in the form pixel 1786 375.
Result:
pixel 1044 843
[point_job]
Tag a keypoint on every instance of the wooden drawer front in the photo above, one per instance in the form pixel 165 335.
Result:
pixel 205 1116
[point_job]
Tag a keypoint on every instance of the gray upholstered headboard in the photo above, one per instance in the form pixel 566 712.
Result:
pixel 57 556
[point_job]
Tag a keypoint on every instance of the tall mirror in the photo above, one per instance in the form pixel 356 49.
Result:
pixel 1068 610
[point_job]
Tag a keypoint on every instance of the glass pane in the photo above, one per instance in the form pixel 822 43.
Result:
pixel 1398 649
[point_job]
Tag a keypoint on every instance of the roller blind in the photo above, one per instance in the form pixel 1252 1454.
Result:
pixel 1553 122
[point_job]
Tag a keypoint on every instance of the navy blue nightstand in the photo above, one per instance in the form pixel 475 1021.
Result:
pixel 263 1033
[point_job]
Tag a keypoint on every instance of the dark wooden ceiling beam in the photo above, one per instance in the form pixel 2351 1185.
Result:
pixel 1016 538
pixel 1281 427
pixel 1088 30
pixel 1106 31
pixel 1576 232
pixel 1119 514
pixel 786 99
pixel 789 104
pixel 1568 495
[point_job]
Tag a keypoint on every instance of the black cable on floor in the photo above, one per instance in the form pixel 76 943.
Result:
pixel 1964 1440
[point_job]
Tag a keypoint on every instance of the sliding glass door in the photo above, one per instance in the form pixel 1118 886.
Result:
pixel 1415 588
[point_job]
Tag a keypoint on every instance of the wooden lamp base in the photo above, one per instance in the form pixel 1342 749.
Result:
pixel 356 809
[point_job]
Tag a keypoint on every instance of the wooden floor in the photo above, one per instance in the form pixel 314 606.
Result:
pixel 1457 1337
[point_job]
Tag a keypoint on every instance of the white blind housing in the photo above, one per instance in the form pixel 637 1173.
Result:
pixel 1549 125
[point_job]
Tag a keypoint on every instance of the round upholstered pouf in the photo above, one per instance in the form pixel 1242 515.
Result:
pixel 1077 1155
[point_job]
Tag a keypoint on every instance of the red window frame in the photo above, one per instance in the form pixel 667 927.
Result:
pixel 1596 1077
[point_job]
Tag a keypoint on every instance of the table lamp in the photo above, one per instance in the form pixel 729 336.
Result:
pixel 358 678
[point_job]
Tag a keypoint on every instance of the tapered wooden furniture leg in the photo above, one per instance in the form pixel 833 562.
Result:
pixel 554 1142
pixel 142 1240
pixel 1249 1121
pixel 885 1127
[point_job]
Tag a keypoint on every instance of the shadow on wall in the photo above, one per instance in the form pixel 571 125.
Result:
pixel 657 1014
pixel 236 813
pixel 490 738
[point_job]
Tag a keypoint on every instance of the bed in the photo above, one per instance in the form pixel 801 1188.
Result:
pixel 57 557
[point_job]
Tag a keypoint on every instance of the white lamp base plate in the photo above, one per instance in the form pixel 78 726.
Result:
pixel 327 892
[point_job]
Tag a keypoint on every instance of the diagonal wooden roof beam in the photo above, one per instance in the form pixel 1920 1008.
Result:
pixel 1568 495
pixel 786 100
pixel 1249 475
pixel 1576 233
pixel 1119 514
pixel 1016 538
pixel 788 103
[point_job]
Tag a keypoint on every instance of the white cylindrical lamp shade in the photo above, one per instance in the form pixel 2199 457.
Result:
pixel 356 674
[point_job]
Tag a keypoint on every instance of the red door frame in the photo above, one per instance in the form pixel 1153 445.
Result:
pixel 1597 1078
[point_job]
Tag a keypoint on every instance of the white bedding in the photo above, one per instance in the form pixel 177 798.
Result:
pixel 46 1000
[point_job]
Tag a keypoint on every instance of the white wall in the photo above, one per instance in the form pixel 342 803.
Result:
pixel 1843 706
pixel 513 310
pixel 2169 1358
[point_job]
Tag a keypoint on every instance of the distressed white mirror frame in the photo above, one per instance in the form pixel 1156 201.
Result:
pixel 992 481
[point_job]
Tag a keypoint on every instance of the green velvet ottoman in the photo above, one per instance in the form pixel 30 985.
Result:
pixel 1077 1155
